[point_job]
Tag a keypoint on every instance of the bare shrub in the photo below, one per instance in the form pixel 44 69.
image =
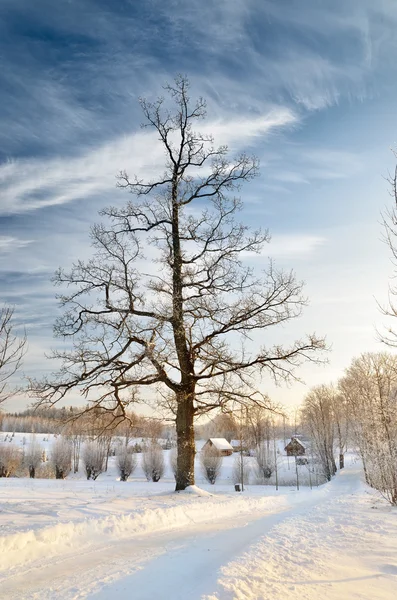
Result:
pixel 94 459
pixel 153 462
pixel 33 457
pixel 211 463
pixel 61 457
pixel 241 469
pixel 126 463
pixel 265 462
pixel 10 460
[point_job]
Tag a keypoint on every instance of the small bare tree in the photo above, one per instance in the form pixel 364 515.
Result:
pixel 153 462
pixel 126 463
pixel 61 457
pixel 94 456
pixel 241 469
pixel 12 351
pixel 211 463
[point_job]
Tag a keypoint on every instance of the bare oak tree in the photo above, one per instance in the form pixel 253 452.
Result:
pixel 181 324
pixel 12 350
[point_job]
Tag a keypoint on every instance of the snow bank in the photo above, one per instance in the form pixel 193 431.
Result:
pixel 196 491
pixel 65 537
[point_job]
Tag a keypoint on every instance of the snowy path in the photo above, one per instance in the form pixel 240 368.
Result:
pixel 329 543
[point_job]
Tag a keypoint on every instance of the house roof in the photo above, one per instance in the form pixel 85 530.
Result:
pixel 295 441
pixel 221 444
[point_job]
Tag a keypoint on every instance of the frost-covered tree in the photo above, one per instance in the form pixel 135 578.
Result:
pixel 211 463
pixel 75 432
pixel 32 456
pixel 370 389
pixel 153 464
pixel 342 425
pixel 318 418
pixel 126 463
pixel 265 461
pixel 61 457
pixel 94 455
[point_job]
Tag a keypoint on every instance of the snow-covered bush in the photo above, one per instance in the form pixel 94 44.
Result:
pixel 10 460
pixel 126 463
pixel 241 469
pixel 61 457
pixel 33 457
pixel 94 459
pixel 211 463
pixel 265 462
pixel 153 462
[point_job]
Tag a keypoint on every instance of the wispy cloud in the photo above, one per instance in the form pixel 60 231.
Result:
pixel 291 245
pixel 10 244
pixel 28 185
pixel 294 245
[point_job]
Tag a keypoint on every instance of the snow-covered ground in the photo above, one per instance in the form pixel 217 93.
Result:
pixel 139 540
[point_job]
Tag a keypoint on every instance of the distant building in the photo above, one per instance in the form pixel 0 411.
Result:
pixel 221 445
pixel 295 448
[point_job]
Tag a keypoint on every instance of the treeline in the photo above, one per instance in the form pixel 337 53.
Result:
pixel 91 423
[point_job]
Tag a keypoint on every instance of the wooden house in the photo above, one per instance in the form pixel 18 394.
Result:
pixel 295 448
pixel 219 444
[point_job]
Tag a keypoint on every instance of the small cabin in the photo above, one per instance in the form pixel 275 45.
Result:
pixel 295 448
pixel 219 444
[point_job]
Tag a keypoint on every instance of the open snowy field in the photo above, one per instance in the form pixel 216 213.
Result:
pixel 138 540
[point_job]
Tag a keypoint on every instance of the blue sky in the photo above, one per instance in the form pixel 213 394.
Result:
pixel 309 87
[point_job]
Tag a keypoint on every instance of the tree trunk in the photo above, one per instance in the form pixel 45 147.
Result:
pixel 185 442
